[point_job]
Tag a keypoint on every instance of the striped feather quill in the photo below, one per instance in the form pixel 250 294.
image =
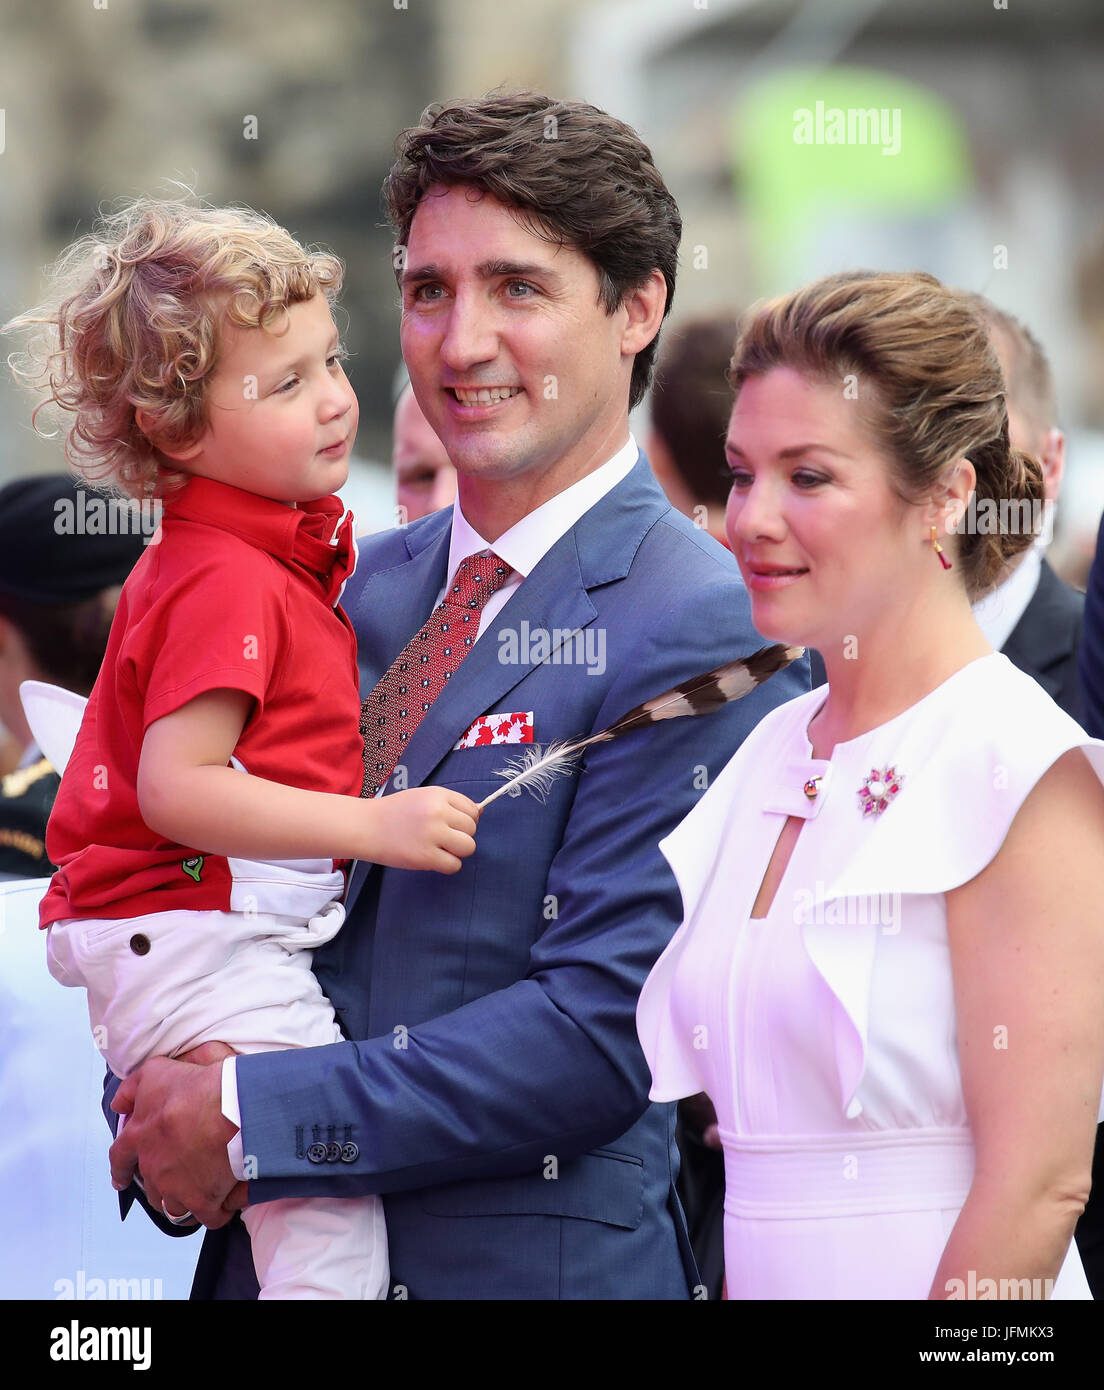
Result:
pixel 535 771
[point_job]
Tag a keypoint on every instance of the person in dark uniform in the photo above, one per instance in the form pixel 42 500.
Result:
pixel 65 551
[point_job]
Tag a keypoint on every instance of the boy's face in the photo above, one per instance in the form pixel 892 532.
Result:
pixel 281 414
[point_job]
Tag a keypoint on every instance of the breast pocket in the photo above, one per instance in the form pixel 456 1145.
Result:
pixel 486 764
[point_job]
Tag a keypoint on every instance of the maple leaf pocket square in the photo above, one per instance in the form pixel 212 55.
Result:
pixel 492 729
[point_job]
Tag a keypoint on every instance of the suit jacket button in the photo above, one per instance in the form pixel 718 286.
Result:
pixel 333 1152
pixel 349 1153
pixel 140 944
pixel 317 1153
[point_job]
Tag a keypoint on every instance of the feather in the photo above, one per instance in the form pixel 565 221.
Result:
pixel 536 769
pixel 702 694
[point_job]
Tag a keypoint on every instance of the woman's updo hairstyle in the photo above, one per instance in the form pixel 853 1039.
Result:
pixel 917 358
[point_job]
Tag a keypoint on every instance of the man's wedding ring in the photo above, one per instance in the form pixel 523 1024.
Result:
pixel 180 1220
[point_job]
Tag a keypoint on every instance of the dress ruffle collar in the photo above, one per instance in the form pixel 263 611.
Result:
pixel 969 768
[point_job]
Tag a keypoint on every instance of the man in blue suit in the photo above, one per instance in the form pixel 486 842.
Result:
pixel 493 1089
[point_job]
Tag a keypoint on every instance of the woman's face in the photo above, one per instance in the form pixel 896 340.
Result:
pixel 820 536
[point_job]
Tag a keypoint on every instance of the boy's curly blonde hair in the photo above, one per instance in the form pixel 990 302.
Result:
pixel 134 325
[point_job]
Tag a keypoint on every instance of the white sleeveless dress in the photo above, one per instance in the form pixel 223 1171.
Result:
pixel 825 1033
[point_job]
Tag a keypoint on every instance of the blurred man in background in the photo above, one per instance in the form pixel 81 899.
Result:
pixel 1032 616
pixel 425 480
pixel 690 404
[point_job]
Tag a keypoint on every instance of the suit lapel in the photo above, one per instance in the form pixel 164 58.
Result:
pixel 1044 635
pixel 394 601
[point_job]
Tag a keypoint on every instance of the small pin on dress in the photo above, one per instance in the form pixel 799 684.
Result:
pixel 878 790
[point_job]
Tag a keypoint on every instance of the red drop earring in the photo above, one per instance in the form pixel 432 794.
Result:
pixel 939 551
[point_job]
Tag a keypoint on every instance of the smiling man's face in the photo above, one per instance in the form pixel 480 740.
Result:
pixel 517 366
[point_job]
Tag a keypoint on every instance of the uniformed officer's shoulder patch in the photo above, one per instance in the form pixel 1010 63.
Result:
pixel 18 782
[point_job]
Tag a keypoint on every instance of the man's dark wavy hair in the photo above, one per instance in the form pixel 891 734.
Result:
pixel 578 177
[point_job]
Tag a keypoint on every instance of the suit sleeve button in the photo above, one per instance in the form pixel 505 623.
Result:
pixel 333 1152
pixel 317 1153
pixel 140 944
pixel 349 1153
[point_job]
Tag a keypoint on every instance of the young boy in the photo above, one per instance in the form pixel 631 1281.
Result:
pixel 211 804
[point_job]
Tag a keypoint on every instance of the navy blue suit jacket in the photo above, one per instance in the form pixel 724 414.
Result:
pixel 1090 656
pixel 494 1086
pixel 1045 642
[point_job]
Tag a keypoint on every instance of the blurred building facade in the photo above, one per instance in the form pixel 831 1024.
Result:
pixel 294 109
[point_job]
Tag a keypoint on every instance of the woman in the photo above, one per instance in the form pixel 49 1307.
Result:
pixel 890 970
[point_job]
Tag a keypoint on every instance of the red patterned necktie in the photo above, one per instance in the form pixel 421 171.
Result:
pixel 402 697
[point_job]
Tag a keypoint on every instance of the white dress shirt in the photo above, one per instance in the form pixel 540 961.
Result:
pixel 998 611
pixel 529 540
pixel 522 547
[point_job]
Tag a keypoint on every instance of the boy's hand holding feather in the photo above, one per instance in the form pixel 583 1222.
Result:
pixel 189 794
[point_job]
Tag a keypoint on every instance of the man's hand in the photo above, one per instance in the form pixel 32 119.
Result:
pixel 700 1117
pixel 177 1134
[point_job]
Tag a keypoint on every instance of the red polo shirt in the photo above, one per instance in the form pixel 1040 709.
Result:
pixel 239 594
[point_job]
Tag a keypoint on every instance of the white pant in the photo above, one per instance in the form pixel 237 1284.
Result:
pixel 162 984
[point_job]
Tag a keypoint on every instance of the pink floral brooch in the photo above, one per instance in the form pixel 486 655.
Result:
pixel 878 790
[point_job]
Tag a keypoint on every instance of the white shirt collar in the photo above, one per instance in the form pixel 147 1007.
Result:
pixel 527 542
pixel 998 611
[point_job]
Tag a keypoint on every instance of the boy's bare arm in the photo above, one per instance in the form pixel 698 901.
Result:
pixel 189 794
